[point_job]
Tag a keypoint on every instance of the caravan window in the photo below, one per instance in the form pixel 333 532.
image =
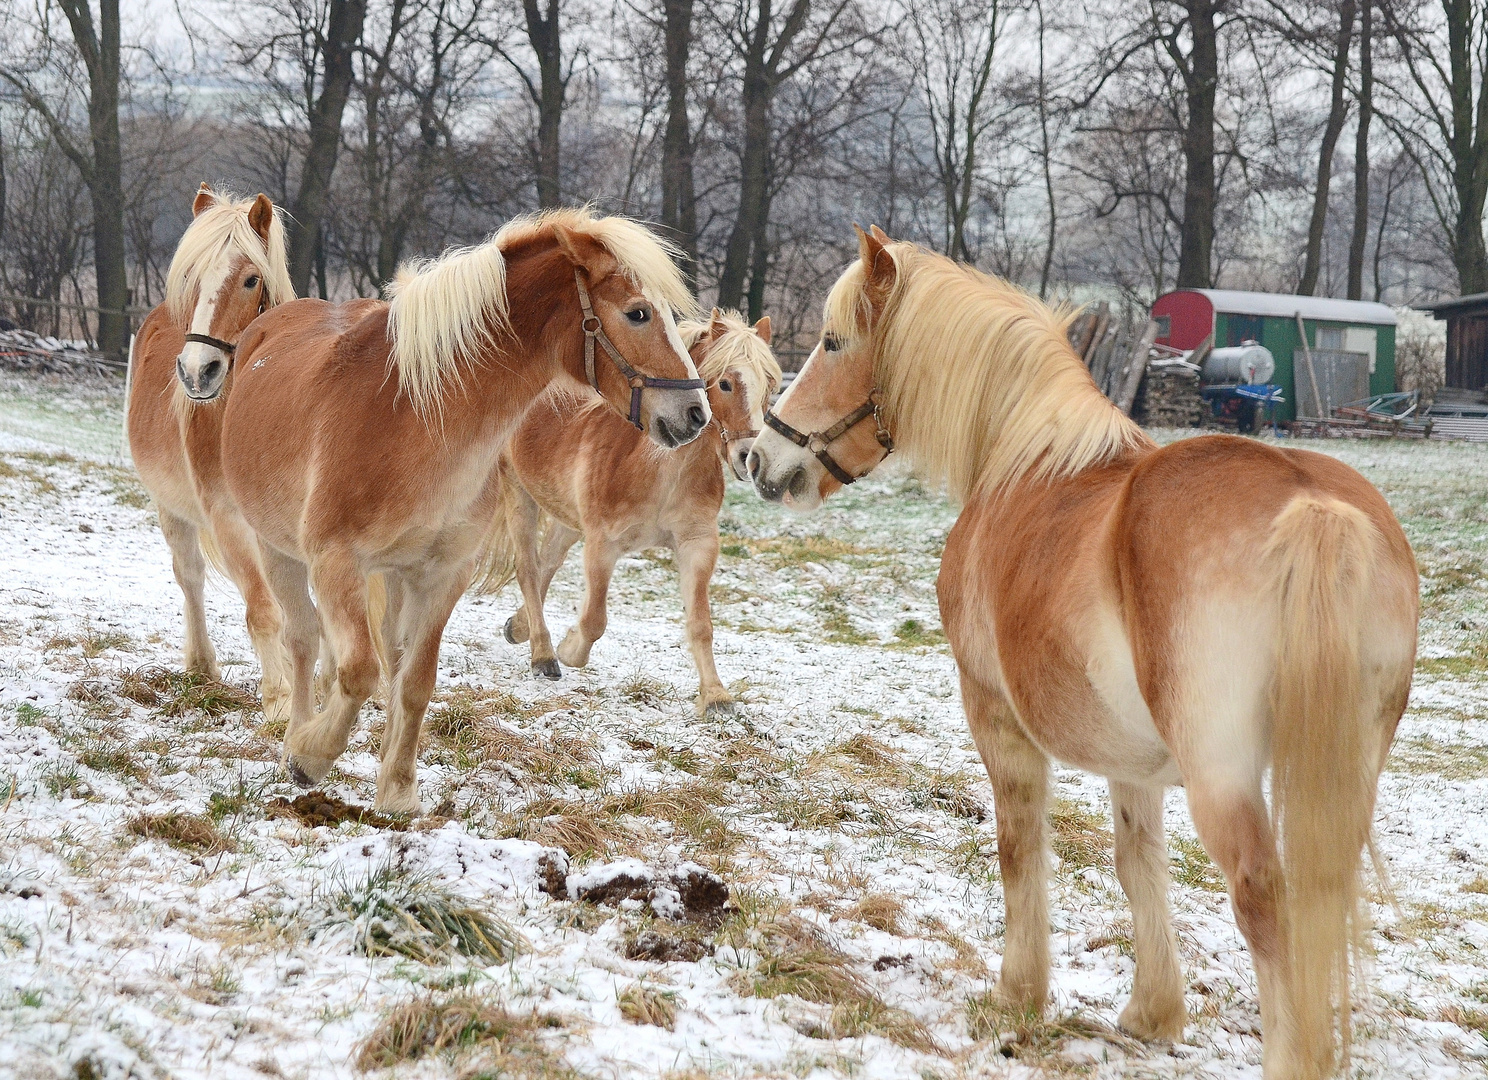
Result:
pixel 1330 337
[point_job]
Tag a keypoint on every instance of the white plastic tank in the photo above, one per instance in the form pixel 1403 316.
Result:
pixel 1248 363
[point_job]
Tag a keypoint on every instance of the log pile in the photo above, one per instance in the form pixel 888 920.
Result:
pixel 1169 396
pixel 21 350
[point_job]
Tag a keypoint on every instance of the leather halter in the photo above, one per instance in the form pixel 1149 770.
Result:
pixel 594 331
pixel 817 441
pixel 229 348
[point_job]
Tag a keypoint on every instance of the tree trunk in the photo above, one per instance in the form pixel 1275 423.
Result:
pixel 1361 152
pixel 1046 153
pixel 100 53
pixel 678 197
pixel 343 32
pixel 753 186
pixel 1337 111
pixel 759 265
pixel 1202 80
pixel 543 35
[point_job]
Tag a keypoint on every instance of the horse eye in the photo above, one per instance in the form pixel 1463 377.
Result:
pixel 726 386
pixel 639 315
pixel 251 283
pixel 830 342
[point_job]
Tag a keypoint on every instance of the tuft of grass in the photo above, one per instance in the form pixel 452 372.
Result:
pixel 96 642
pixel 392 912
pixel 1031 1037
pixel 1080 837
pixel 510 1043
pixel 28 715
pixel 1478 884
pixel 176 693
pixel 648 691
pixel 642 1004
pixel 1191 866
pixel 113 759
pixel 188 832
pixel 1468 1019
pixel 795 958
pixel 1451 761
pixel 878 910
pixel 601 824
pixel 913 634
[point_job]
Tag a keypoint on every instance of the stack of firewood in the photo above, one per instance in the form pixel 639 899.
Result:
pixel 22 350
pixel 1115 356
pixel 1169 396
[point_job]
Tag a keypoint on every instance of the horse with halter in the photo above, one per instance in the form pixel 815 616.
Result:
pixel 573 470
pixel 1189 614
pixel 362 438
pixel 229 267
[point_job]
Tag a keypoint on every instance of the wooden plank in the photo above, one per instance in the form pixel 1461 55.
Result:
pixel 1136 367
pixel 1317 398
pixel 1098 336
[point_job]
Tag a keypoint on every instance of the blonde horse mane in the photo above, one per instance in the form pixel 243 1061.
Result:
pixel 442 311
pixel 212 232
pixel 978 379
pixel 738 348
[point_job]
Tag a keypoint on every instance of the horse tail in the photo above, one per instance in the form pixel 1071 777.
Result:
pixel 208 544
pixel 497 566
pixel 1325 759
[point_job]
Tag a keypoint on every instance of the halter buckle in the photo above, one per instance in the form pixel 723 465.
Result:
pixel 591 330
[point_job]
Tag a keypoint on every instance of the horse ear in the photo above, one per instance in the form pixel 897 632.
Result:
pixel 879 235
pixel 716 326
pixel 205 197
pixel 261 216
pixel 762 329
pixel 585 252
pixel 879 270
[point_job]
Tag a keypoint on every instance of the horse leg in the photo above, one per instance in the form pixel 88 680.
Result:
pixel 1235 828
pixel 600 557
pixel 554 550
pixel 290 583
pixel 424 609
pixel 312 748
pixel 696 560
pixel 191 575
pixel 1019 772
pixel 1156 1009
pixel 239 551
pixel 523 526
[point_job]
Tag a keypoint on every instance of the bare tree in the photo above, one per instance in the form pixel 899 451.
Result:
pixel 97 43
pixel 1441 118
pixel 548 91
pixel 678 190
pixel 1359 236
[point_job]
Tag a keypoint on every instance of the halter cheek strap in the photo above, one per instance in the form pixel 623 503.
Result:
pixel 817 441
pixel 594 331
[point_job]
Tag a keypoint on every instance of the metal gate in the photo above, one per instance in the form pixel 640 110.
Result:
pixel 1341 377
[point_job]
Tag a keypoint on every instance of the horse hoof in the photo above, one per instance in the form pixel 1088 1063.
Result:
pixel 299 776
pixel 508 633
pixel 547 669
pixel 306 772
pixel 719 708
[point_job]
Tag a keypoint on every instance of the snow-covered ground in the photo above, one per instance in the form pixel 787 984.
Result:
pixel 162 915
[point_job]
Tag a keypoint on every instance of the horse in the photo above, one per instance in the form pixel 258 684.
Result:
pixel 574 471
pixel 361 438
pixel 229 266
pixel 1155 615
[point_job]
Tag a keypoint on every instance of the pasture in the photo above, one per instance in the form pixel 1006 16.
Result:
pixel 166 909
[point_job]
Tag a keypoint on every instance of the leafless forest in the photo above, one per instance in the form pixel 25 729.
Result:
pixel 1335 147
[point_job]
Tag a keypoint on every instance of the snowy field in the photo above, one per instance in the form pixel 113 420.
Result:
pixel 165 910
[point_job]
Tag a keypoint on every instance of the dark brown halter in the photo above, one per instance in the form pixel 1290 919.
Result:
pixel 594 331
pixel 817 441
pixel 229 348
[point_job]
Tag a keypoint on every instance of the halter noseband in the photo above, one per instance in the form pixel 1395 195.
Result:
pixel 594 331
pixel 229 348
pixel 817 441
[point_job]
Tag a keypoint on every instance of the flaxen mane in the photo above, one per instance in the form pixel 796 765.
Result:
pixel 444 311
pixel 737 348
pixel 978 378
pixel 220 226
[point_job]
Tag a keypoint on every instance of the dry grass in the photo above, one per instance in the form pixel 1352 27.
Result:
pixel 188 832
pixel 1192 868
pixel 508 1044
pixel 176 693
pixel 642 1004
pixel 1080 836
pixel 878 910
pixel 1033 1038
pixel 797 959
pixel 605 824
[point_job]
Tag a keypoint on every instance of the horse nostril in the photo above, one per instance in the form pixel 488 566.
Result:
pixel 752 465
pixel 796 482
pixel 209 372
pixel 696 417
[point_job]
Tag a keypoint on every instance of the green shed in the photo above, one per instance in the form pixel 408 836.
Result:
pixel 1352 342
